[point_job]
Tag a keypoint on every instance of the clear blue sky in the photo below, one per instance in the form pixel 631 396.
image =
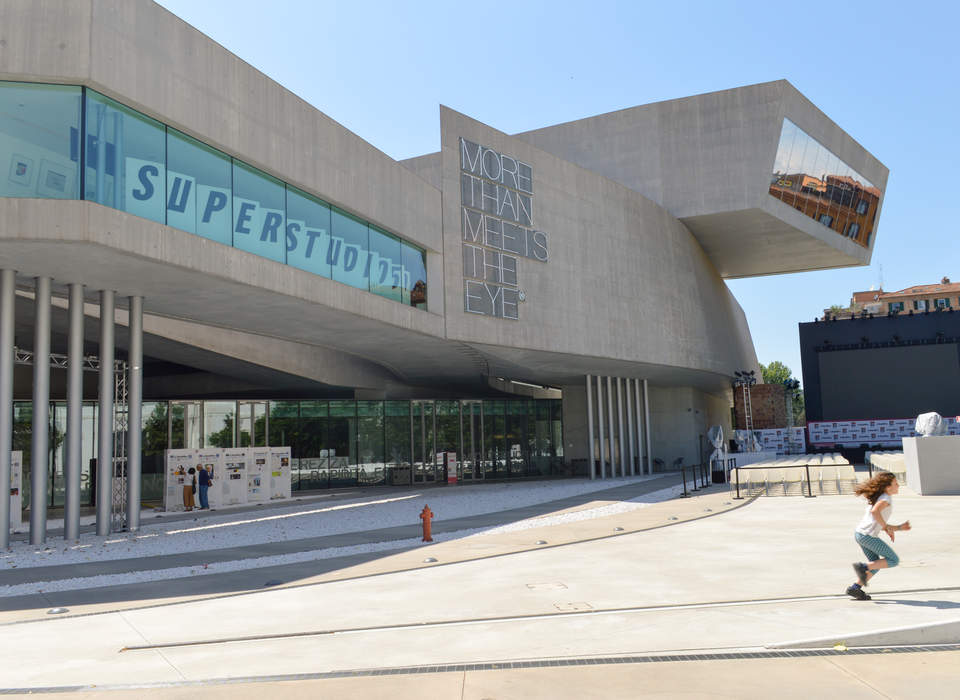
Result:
pixel 887 72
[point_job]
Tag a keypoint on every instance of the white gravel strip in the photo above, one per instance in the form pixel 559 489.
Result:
pixel 297 521
pixel 330 552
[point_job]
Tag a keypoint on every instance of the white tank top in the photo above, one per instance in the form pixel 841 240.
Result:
pixel 868 525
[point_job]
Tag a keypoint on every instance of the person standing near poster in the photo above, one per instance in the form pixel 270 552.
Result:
pixel 188 489
pixel 203 482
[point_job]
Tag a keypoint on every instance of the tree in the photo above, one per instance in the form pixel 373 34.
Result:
pixel 778 373
pixel 775 373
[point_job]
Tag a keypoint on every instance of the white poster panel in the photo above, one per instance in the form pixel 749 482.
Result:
pixel 176 465
pixel 234 489
pixel 280 472
pixel 258 474
pixel 212 460
pixel 16 489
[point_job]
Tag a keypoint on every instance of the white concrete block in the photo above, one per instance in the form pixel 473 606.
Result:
pixel 933 464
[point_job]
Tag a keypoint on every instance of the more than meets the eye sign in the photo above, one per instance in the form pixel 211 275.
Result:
pixel 496 194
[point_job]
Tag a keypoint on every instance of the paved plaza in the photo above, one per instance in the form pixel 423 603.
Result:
pixel 699 597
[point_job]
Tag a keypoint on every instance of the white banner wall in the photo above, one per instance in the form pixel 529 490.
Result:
pixel 234 488
pixel 258 474
pixel 280 472
pixel 177 463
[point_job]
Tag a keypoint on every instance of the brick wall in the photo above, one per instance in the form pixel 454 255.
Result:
pixel 769 406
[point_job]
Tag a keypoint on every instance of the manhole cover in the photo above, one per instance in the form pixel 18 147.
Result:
pixel 554 586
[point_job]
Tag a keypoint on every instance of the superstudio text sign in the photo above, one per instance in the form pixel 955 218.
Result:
pixel 217 213
pixel 496 194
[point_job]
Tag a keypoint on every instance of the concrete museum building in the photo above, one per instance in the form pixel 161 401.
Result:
pixel 202 254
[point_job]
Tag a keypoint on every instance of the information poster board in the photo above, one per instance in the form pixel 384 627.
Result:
pixel 237 475
pixel 212 460
pixel 258 474
pixel 451 467
pixel 234 489
pixel 280 472
pixel 177 462
pixel 16 489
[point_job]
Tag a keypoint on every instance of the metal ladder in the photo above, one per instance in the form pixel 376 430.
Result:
pixel 747 409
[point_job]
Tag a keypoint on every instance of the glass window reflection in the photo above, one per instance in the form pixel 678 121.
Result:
pixel 386 265
pixel 198 188
pixel 348 249
pixel 126 159
pixel 816 182
pixel 414 276
pixel 40 140
pixel 259 210
pixel 137 164
pixel 308 232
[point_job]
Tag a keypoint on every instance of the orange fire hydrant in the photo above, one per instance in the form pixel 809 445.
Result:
pixel 425 516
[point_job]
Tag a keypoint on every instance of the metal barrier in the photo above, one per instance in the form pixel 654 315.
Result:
pixel 696 469
pixel 806 467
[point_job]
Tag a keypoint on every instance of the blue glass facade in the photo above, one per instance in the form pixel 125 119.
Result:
pixel 139 165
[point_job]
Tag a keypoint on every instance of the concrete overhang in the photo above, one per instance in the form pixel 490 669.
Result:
pixel 220 309
pixel 708 160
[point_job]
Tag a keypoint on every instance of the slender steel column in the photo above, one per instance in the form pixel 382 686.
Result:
pixel 613 449
pixel 620 435
pixel 603 437
pixel 646 425
pixel 7 292
pixel 135 405
pixel 105 419
pixel 39 439
pixel 639 424
pixel 629 399
pixel 72 466
pixel 593 466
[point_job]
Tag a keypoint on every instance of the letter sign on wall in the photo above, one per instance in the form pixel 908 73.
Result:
pixel 496 197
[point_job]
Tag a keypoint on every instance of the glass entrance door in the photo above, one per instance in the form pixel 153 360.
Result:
pixel 252 423
pixel 423 437
pixel 471 440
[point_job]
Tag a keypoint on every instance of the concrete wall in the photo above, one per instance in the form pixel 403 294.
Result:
pixel 625 280
pixel 679 416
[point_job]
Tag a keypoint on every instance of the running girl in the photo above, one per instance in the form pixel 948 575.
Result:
pixel 878 492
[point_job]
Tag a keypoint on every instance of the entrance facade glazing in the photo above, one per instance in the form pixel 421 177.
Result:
pixel 334 443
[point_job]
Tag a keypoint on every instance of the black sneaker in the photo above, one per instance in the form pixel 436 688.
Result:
pixel 861 570
pixel 858 593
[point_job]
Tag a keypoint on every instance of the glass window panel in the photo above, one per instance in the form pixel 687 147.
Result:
pixel 39 140
pixel 348 249
pixel 494 450
pixel 125 159
pixel 782 186
pixel 828 190
pixel 370 448
pixel 258 212
pixel 341 443
pixel 385 264
pixel 396 428
pixel 22 441
pixel 414 276
pixel 218 423
pixel 312 450
pixel 198 188
pixel 308 232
